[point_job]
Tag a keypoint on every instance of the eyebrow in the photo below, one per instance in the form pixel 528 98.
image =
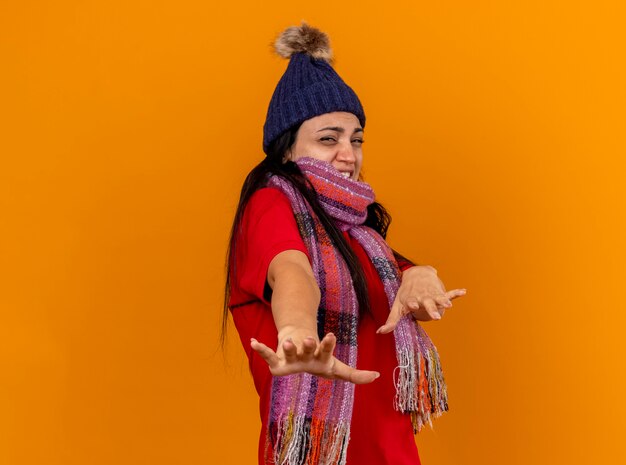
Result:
pixel 340 129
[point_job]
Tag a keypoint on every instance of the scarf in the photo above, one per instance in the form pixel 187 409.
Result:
pixel 309 419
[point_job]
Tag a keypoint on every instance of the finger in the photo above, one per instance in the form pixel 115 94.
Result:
pixel 290 350
pixel 412 302
pixel 431 308
pixel 265 352
pixel 396 312
pixel 326 348
pixel 453 294
pixel 347 373
pixel 308 348
pixel 443 300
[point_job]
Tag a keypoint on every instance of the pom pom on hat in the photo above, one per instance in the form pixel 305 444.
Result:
pixel 306 39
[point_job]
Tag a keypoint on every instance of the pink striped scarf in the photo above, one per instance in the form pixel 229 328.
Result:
pixel 309 421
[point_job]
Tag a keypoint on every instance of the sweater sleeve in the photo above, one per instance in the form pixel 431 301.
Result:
pixel 268 227
pixel 403 262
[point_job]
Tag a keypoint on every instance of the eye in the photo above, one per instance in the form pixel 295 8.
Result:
pixel 328 138
pixel 359 141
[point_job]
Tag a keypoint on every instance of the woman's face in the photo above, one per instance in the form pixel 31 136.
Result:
pixel 333 137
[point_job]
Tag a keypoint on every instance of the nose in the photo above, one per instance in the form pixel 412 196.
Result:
pixel 346 153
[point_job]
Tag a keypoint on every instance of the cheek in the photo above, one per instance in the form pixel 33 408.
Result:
pixel 359 165
pixel 319 152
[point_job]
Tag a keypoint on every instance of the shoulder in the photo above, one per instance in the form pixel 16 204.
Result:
pixel 267 198
pixel 268 194
pixel 268 206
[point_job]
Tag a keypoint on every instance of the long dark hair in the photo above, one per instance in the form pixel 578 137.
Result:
pixel 377 217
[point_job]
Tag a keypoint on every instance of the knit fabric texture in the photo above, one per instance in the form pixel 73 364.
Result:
pixel 309 87
pixel 309 420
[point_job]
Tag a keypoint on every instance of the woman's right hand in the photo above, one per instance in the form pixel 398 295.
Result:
pixel 311 357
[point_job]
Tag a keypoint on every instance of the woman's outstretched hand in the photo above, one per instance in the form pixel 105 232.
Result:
pixel 311 357
pixel 421 293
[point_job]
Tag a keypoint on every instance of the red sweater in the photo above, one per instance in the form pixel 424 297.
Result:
pixel 379 434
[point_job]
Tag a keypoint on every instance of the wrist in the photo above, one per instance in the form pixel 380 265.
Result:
pixel 296 333
pixel 420 269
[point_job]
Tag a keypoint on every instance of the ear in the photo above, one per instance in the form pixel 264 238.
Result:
pixel 287 156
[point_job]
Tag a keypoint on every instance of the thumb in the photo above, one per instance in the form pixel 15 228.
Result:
pixel 353 375
pixel 396 312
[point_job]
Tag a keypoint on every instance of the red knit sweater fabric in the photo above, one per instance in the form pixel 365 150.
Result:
pixel 379 434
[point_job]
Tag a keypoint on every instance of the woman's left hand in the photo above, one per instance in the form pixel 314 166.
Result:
pixel 421 293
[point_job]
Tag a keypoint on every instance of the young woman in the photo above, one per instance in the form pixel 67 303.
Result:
pixel 326 311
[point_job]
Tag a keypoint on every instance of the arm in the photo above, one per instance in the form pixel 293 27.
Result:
pixel 295 300
pixel 295 296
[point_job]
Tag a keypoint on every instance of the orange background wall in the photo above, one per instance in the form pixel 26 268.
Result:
pixel 495 137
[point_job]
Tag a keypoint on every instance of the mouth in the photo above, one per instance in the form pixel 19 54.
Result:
pixel 346 174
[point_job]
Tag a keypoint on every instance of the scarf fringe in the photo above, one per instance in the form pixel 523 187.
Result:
pixel 420 388
pixel 302 441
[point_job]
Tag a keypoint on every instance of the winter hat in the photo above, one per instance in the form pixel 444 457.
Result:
pixel 309 86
